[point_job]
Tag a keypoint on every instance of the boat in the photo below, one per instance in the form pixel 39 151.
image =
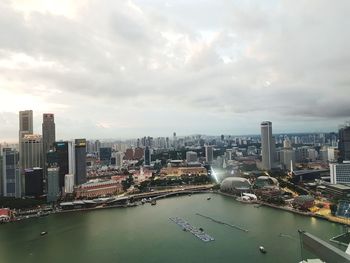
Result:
pixel 208 198
pixel 262 249
pixel 43 233
pixel 153 202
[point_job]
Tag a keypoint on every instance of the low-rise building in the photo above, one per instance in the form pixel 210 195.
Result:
pixel 304 201
pixel 337 191
pixel 96 188
pixel 141 175
pixel 5 214
pixel 178 171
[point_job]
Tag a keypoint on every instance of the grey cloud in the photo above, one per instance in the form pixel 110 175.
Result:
pixel 288 59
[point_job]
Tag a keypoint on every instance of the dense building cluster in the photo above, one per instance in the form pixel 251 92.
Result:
pixel 40 166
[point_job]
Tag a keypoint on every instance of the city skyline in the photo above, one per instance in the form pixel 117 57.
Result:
pixel 129 68
pixel 37 131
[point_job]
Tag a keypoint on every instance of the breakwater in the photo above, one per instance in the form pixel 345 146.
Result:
pixel 222 223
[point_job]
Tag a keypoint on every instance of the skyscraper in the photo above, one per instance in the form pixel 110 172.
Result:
pixel 32 151
pixel 25 128
pixel 267 146
pixel 34 182
pixel 48 131
pixel 287 155
pixel 105 155
pixel 1 174
pixel 69 183
pixel 25 123
pixel 209 154
pixel 191 157
pixel 49 136
pixel 53 188
pixel 31 155
pixel 11 175
pixel 147 156
pixel 65 160
pixel 174 140
pixel 119 159
pixel 344 143
pixel 80 161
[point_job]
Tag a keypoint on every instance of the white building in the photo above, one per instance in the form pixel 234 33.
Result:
pixel 268 147
pixel 331 154
pixel 340 173
pixel 69 183
pixel 119 159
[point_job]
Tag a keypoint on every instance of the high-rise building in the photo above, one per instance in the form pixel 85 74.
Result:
pixel 312 154
pixel 1 176
pixel 323 156
pixel 105 155
pixel 344 143
pixel 69 183
pixel 48 131
pixel 97 147
pixel 229 153
pixel 174 140
pixel 25 123
pixel 267 146
pixel 340 173
pixel 138 153
pixel 167 143
pixel 25 128
pixel 53 189
pixel 209 154
pixel 191 157
pixel 331 154
pixel 147 156
pixel 80 161
pixel 129 154
pixel 11 180
pixel 31 155
pixel 65 160
pixel 34 182
pixel 49 136
pixel 287 155
pixel 32 151
pixel 119 159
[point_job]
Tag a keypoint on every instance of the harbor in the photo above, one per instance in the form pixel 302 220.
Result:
pixel 199 233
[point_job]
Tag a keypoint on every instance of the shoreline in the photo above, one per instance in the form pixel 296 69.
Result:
pixel 291 210
pixel 135 204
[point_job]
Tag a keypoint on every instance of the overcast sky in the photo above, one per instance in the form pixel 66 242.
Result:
pixel 122 69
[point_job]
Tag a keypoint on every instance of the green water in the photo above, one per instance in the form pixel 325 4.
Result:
pixel 145 234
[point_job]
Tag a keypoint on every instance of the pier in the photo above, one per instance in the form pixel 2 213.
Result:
pixel 188 227
pixel 222 223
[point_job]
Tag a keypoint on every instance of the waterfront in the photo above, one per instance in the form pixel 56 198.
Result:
pixel 145 234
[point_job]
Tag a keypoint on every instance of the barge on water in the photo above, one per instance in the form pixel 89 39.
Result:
pixel 199 233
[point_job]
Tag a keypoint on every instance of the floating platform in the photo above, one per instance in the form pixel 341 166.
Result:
pixel 222 223
pixel 188 227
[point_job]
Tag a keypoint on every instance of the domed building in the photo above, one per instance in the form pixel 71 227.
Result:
pixel 266 182
pixel 235 185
